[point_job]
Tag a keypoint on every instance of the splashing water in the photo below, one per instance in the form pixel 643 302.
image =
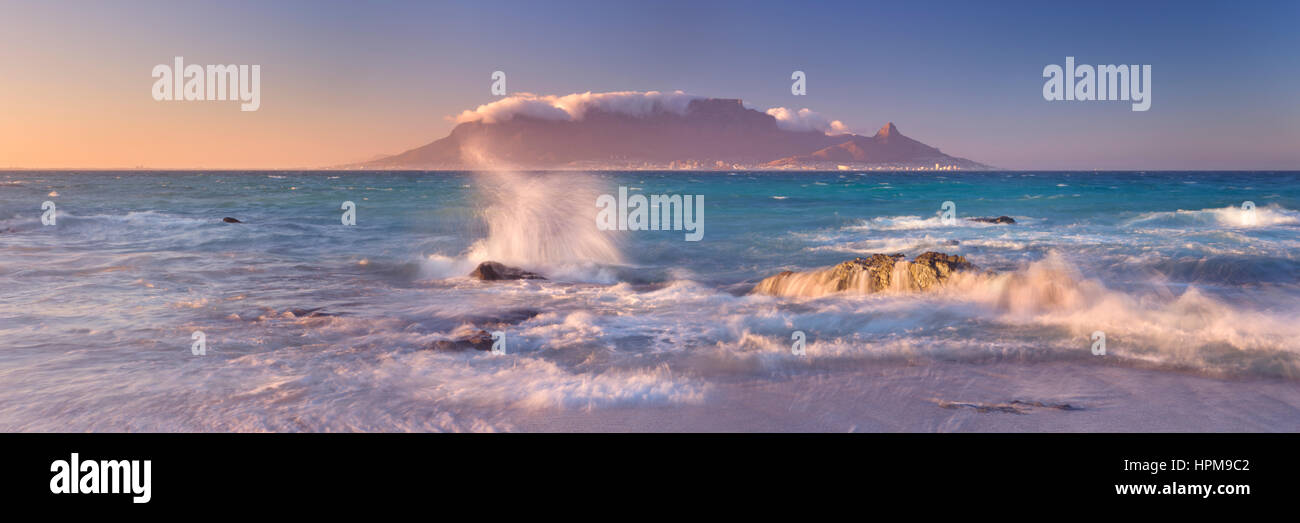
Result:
pixel 312 325
pixel 543 222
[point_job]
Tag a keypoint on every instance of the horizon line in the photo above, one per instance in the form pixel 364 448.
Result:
pixel 334 170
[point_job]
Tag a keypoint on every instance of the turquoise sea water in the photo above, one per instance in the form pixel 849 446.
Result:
pixel 98 310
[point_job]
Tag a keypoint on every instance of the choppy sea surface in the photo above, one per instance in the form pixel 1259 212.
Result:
pixel 311 325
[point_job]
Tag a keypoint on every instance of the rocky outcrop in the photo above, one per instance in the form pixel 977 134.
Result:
pixel 493 271
pixel 931 269
pixel 876 273
pixel 315 312
pixel 480 340
pixel 990 219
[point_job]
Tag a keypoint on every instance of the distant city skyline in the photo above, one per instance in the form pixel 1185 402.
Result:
pixel 344 83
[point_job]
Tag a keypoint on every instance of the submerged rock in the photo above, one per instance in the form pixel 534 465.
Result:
pixel 989 219
pixel 230 220
pixel 493 271
pixel 876 273
pixel 501 318
pixel 480 340
pixel 307 313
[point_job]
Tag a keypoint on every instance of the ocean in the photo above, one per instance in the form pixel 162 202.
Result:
pixel 312 325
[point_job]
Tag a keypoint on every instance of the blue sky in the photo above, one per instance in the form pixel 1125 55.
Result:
pixel 962 76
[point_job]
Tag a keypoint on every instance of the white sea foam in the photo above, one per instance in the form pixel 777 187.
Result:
pixel 1190 328
pixel 1231 216
pixel 908 223
pixel 101 307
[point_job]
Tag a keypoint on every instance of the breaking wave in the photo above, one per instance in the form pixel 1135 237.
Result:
pixel 541 222
pixel 1190 328
pixel 1231 216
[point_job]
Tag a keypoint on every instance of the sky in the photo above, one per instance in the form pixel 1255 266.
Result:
pixel 345 82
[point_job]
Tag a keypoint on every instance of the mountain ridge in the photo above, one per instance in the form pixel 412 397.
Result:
pixel 709 133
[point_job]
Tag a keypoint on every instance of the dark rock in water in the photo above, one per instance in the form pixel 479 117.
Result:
pixel 308 313
pixel 1014 407
pixel 230 220
pixel 481 340
pixel 999 219
pixel 877 273
pixel 501 318
pixel 952 242
pixel 493 271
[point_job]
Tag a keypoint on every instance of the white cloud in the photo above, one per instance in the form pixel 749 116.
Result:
pixel 575 106
pixel 636 103
pixel 806 120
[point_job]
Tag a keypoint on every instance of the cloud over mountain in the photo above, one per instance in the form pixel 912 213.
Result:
pixel 573 107
pixel 651 129
pixel 806 120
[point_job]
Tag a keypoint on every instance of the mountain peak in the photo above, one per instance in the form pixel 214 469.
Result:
pixel 653 130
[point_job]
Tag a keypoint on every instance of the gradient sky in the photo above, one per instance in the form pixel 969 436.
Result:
pixel 344 82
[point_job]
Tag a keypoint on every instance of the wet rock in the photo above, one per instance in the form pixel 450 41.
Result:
pixel 308 313
pixel 493 271
pixel 500 318
pixel 876 273
pixel 1013 407
pixel 479 340
pixel 989 219
pixel 230 220
pixel 933 268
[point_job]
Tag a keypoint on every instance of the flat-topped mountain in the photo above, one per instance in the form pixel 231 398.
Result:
pixel 654 130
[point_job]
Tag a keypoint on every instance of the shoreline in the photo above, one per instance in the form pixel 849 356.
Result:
pixel 903 397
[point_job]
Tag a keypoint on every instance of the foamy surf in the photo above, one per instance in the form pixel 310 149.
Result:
pixel 315 326
pixel 1231 216
pixel 1185 329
